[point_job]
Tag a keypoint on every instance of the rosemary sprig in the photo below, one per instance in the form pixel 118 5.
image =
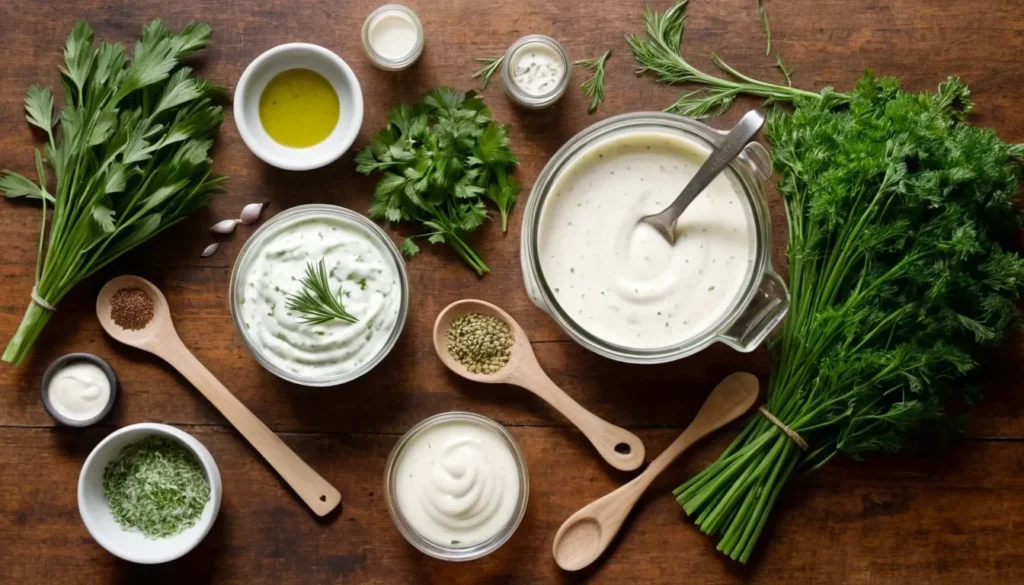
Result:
pixel 657 51
pixel 764 25
pixel 488 70
pixel 594 87
pixel 316 303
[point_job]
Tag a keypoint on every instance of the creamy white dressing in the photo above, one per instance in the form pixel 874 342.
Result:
pixel 537 68
pixel 360 270
pixel 620 280
pixel 457 483
pixel 393 35
pixel 79 391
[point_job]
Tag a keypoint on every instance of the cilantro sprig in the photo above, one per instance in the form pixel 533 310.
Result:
pixel 440 161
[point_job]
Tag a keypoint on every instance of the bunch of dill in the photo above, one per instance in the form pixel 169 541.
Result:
pixel 902 231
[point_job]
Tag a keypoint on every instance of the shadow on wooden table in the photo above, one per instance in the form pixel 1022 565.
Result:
pixel 195 568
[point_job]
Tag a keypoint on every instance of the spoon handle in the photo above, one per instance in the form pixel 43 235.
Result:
pixel 732 145
pixel 315 491
pixel 620 448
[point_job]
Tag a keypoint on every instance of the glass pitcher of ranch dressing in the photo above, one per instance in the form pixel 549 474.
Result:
pixel 615 285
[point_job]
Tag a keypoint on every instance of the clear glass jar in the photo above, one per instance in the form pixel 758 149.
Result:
pixel 454 553
pixel 377 18
pixel 763 300
pixel 246 257
pixel 518 94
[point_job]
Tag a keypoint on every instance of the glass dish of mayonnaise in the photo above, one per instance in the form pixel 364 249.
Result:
pixel 619 288
pixel 364 269
pixel 456 486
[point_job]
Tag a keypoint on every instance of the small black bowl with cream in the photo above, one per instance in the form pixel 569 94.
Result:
pixel 79 389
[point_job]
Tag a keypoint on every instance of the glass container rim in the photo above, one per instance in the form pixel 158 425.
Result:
pixel 451 553
pixel 261 233
pixel 740 170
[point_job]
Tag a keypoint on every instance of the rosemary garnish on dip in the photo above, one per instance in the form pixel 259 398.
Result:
pixel 315 302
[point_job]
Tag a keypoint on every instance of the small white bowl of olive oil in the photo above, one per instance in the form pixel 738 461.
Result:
pixel 298 106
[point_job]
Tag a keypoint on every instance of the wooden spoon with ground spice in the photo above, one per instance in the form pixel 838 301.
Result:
pixel 133 311
pixel 480 342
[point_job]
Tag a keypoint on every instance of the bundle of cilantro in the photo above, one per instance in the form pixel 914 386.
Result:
pixel 440 160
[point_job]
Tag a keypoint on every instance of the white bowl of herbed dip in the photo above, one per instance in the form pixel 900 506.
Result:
pixel 131 544
pixel 364 270
pixel 615 285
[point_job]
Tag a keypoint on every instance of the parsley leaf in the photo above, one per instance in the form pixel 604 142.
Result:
pixel 439 161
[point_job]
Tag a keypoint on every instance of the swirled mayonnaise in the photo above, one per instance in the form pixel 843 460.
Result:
pixel 457 483
pixel 619 279
pixel 360 271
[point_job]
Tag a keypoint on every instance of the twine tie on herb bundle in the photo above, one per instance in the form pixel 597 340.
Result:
pixel 800 442
pixel 40 300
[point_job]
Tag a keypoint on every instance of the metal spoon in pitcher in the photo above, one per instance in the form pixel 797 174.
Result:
pixel 733 144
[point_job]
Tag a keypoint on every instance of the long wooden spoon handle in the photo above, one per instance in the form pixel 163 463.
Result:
pixel 314 490
pixel 620 448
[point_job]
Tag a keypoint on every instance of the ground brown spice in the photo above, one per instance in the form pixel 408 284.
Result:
pixel 131 308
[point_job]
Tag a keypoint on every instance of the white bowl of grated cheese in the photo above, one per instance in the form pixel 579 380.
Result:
pixel 129 544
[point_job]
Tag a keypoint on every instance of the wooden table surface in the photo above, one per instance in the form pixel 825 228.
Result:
pixel 957 518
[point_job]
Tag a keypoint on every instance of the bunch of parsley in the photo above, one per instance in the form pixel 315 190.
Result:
pixel 130 160
pixel 903 272
pixel 440 160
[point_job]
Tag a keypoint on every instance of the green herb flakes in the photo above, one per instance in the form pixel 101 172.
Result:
pixel 156 486
pixel 481 343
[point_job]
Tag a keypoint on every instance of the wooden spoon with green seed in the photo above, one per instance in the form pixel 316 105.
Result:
pixel 619 447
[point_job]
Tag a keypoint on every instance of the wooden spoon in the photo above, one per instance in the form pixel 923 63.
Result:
pixel 161 339
pixel 619 447
pixel 588 532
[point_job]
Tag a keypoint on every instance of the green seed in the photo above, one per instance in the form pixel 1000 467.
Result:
pixel 481 343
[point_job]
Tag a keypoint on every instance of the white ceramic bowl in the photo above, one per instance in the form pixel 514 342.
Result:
pixel 132 545
pixel 298 56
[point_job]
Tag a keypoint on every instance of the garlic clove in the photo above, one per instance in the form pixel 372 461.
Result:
pixel 224 227
pixel 209 250
pixel 251 213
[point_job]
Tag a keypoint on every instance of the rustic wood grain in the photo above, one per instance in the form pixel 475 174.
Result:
pixel 851 523
pixel 952 520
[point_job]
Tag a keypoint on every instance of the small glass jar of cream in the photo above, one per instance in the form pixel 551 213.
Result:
pixel 456 486
pixel 79 389
pixel 393 37
pixel 535 72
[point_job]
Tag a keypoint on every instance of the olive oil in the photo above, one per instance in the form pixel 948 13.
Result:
pixel 299 108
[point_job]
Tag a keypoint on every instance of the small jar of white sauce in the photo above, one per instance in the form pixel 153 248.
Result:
pixel 456 486
pixel 78 389
pixel 393 37
pixel 535 72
